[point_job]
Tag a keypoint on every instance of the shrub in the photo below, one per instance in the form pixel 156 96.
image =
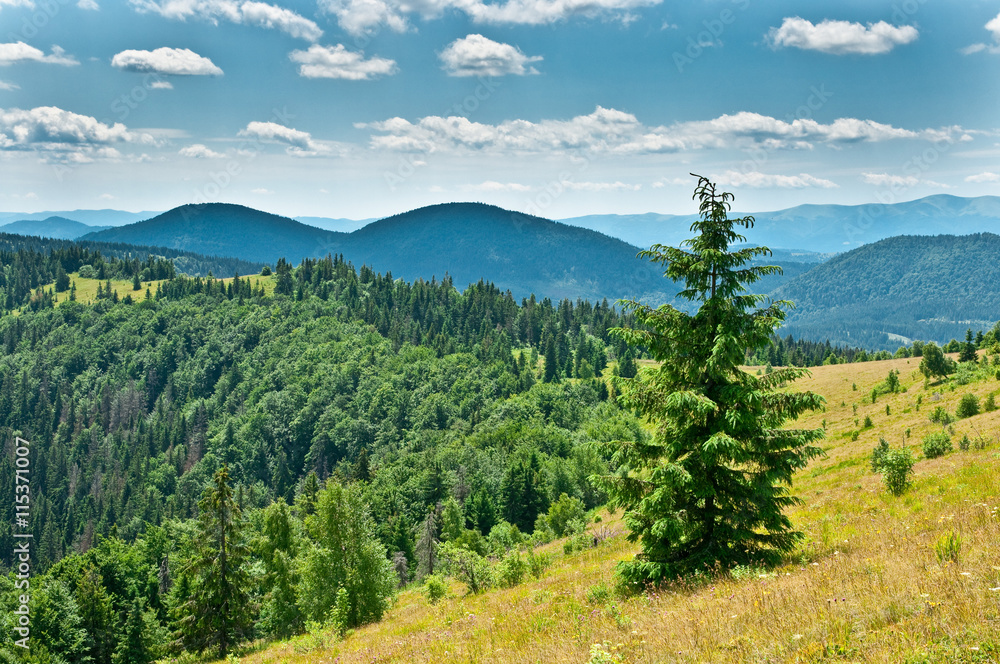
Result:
pixel 510 571
pixel 937 444
pixel 538 563
pixel 435 588
pixel 896 467
pixel 964 443
pixel 88 272
pixel 868 422
pixel 948 547
pixel 991 404
pixel 598 593
pixel 563 512
pixel 968 406
pixel 466 566
pixel 941 416
pixel 503 537
pixel 878 454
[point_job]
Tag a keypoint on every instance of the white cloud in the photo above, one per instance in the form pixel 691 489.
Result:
pixel 262 191
pixel 17 52
pixel 492 185
pixel 106 197
pixel 758 180
pixel 360 16
pixel 161 85
pixel 164 60
pixel 841 37
pixel 60 135
pixel 300 143
pixel 17 3
pixel 600 186
pixel 338 62
pixel 475 55
pixel 616 132
pixel 993 25
pixel 5 85
pixel 899 181
pixel 258 14
pixel 199 151
pixel 90 5
pixel 986 176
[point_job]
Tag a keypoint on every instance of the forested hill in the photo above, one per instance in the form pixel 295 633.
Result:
pixel 468 241
pixel 223 229
pixel 929 288
pixel 53 227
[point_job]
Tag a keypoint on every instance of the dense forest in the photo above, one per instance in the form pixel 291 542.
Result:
pixel 347 395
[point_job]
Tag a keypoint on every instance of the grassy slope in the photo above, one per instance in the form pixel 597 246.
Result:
pixel 866 584
pixel 86 289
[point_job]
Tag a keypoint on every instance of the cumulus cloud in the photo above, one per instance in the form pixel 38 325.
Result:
pixel 841 37
pixel 17 3
pixel 360 16
pixel 170 61
pixel 898 181
pixel 758 180
pixel 993 26
pixel 476 55
pixel 61 135
pixel 338 62
pixel 90 5
pixel 262 191
pixel 492 185
pixel 17 52
pixel 161 85
pixel 986 176
pixel 615 132
pixel 5 85
pixel 300 143
pixel 259 14
pixel 199 151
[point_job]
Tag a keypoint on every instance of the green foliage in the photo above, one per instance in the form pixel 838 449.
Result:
pixel 878 455
pixel 991 403
pixel 467 566
pixel 218 611
pixel 948 547
pixel 435 588
pixel 711 487
pixel 511 569
pixel 968 406
pixel 937 444
pixel 935 362
pixel 896 467
pixel 503 538
pixel 564 512
pixel 452 520
pixel 343 553
pixel 941 416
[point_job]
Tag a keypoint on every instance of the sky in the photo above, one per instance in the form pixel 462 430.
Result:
pixel 561 108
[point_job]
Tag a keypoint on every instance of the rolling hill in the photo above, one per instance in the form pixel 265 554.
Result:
pixel 901 288
pixel 58 228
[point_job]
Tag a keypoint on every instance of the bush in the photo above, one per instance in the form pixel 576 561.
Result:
pixel 967 407
pixel 435 588
pixel 964 443
pixel 503 537
pixel 510 571
pixel 991 404
pixel 868 422
pixel 897 466
pixel 466 566
pixel 538 563
pixel 87 272
pixel 941 416
pixel 563 512
pixel 937 444
pixel 948 547
pixel 878 454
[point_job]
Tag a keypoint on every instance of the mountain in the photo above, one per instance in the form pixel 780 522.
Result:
pixel 898 289
pixel 89 217
pixel 223 229
pixel 818 228
pixel 59 228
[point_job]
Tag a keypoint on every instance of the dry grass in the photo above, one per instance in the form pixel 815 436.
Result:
pixel 866 584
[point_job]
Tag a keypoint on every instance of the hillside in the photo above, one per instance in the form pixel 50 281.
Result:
pixel 58 228
pixel 930 288
pixel 223 229
pixel 865 584
pixel 819 228
pixel 90 217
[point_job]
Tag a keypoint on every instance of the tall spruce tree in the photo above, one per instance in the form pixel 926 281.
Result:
pixel 217 614
pixel 709 488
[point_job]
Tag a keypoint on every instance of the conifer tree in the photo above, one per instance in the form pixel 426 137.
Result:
pixel 709 488
pixel 217 614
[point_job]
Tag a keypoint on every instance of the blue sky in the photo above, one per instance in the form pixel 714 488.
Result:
pixel 364 108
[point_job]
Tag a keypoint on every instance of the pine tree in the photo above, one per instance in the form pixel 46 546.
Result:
pixel 968 352
pixel 551 361
pixel 217 613
pixel 709 487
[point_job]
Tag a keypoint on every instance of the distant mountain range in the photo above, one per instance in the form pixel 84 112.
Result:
pixel 58 228
pixel 818 228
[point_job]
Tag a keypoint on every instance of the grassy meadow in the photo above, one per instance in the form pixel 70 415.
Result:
pixel 867 584
pixel 86 289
